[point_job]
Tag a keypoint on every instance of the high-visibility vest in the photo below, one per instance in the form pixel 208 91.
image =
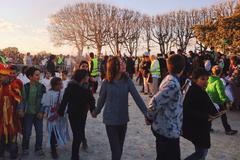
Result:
pixel 156 71
pixel 60 60
pixel 95 67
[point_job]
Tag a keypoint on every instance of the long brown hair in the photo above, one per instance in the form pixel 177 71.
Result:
pixel 113 68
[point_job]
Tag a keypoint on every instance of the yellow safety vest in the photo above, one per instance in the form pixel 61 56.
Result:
pixel 95 67
pixel 156 71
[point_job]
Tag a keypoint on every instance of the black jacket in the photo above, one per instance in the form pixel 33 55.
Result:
pixel 79 100
pixel 197 107
pixel 51 67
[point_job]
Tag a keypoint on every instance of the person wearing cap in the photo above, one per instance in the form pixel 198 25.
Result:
pixel 10 124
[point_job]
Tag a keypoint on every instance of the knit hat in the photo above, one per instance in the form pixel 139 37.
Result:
pixel 5 69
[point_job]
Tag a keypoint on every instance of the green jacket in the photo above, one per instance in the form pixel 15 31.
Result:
pixel 216 90
pixel 41 90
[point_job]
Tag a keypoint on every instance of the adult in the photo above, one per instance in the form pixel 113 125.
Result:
pixel 156 73
pixel 94 70
pixel 51 67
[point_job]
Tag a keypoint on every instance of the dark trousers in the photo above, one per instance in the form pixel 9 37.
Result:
pixel 77 123
pixel 224 119
pixel 53 142
pixel 116 136
pixel 28 121
pixel 199 154
pixel 226 126
pixel 167 148
pixel 8 145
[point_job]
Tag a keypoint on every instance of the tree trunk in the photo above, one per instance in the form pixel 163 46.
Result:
pixel 99 50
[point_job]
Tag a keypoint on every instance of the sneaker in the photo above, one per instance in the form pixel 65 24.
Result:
pixel 40 153
pixel 25 152
pixel 231 132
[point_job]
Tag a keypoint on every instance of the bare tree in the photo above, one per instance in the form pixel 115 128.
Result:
pixel 135 27
pixel 146 27
pixel 98 18
pixel 183 30
pixel 67 28
pixel 122 30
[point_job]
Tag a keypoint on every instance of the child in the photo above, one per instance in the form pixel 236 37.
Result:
pixel 57 127
pixel 22 76
pixel 46 80
pixel 216 91
pixel 197 110
pixel 166 111
pixel 78 98
pixel 9 120
pixel 114 98
pixel 65 79
pixel 33 111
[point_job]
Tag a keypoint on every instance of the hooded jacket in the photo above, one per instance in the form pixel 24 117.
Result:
pixel 216 90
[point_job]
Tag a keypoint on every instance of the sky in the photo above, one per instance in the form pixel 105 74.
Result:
pixel 23 23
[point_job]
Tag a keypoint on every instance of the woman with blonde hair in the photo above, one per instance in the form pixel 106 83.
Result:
pixel 155 74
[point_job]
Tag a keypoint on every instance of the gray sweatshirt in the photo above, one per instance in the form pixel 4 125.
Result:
pixel 114 96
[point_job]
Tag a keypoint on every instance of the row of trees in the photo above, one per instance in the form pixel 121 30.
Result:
pixel 222 27
pixel 98 25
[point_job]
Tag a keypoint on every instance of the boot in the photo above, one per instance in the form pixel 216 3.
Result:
pixel 84 145
pixel 54 153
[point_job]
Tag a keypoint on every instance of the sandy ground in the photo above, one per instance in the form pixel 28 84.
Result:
pixel 140 143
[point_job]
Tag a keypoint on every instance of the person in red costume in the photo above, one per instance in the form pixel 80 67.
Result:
pixel 10 124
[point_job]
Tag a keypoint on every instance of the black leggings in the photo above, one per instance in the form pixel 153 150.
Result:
pixel 77 124
pixel 53 142
pixel 116 135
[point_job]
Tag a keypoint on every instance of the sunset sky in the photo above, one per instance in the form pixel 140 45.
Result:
pixel 23 23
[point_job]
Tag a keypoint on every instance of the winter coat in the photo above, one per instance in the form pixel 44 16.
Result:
pixel 197 107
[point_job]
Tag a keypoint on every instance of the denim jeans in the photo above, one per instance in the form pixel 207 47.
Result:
pixel 28 121
pixel 199 154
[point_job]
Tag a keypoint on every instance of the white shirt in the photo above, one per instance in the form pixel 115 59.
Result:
pixel 65 83
pixel 46 83
pixel 23 78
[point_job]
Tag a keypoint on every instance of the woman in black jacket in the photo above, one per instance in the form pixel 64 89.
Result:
pixel 197 111
pixel 77 97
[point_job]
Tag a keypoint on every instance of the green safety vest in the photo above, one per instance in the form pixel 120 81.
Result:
pixel 60 60
pixel 157 71
pixel 95 67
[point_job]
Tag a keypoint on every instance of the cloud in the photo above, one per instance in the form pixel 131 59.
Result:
pixel 8 26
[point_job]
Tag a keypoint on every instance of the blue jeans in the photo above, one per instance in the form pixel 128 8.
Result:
pixel 28 121
pixel 199 154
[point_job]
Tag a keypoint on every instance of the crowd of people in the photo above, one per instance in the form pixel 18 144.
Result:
pixel 187 92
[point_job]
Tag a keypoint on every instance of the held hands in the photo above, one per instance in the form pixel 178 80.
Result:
pixel 94 114
pixel 148 122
